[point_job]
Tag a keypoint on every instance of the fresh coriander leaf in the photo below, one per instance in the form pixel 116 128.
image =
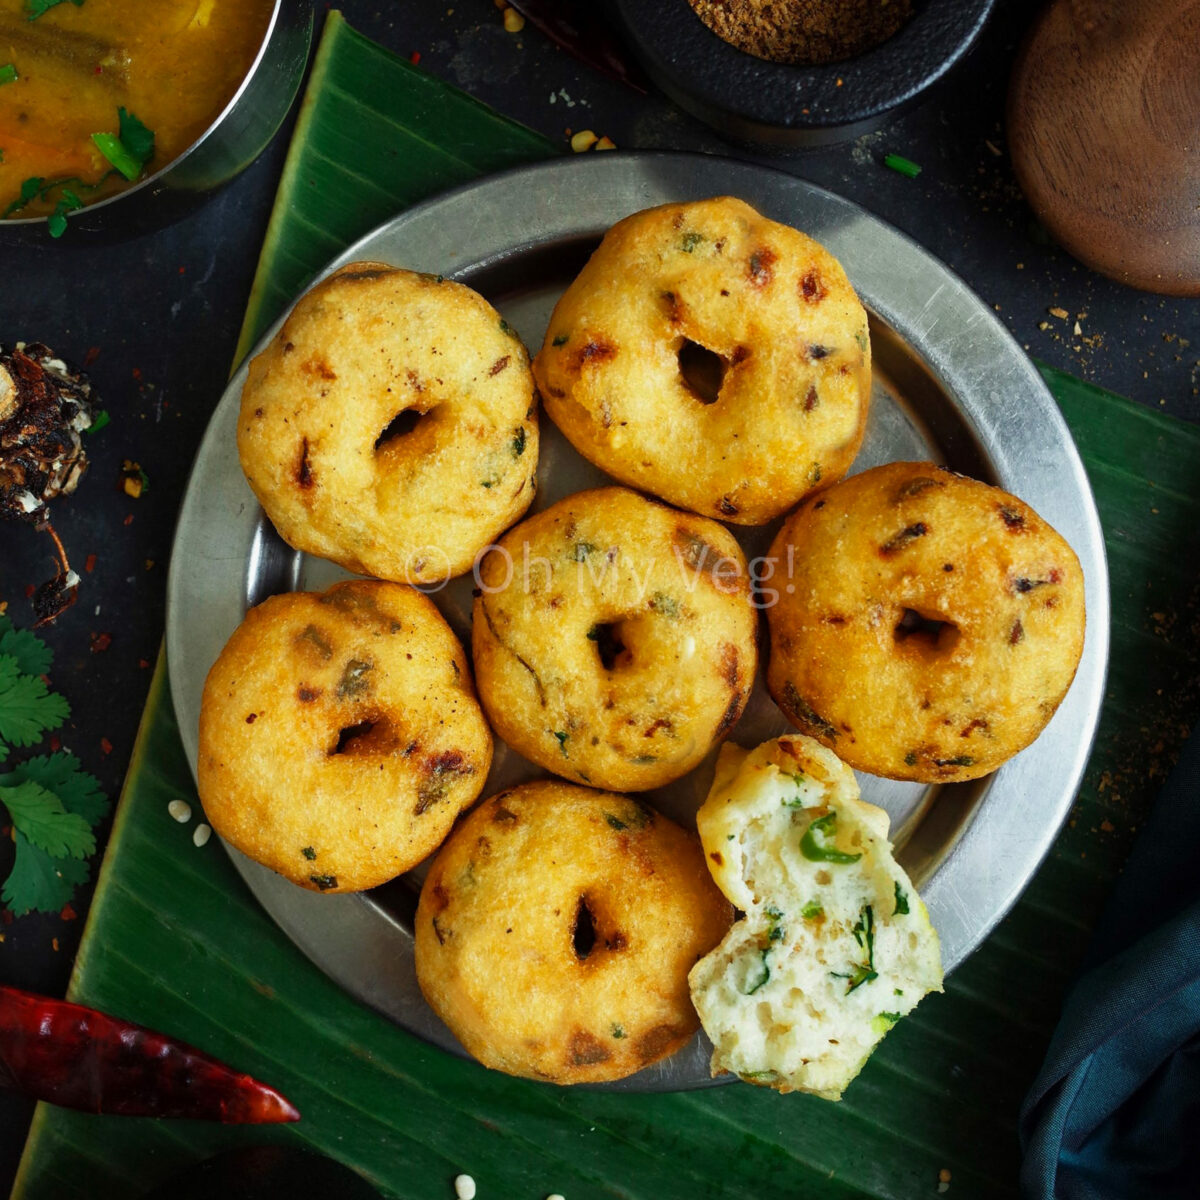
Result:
pixel 901 908
pixel 35 8
pixel 38 881
pixel 41 817
pixel 98 421
pixel 130 148
pixel 62 774
pixel 27 707
pixel 32 654
pixel 8 73
pixel 56 222
pixel 135 137
pixel 30 188
pixel 812 910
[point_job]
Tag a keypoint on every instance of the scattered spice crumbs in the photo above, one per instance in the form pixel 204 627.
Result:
pixel 134 482
pixel 586 140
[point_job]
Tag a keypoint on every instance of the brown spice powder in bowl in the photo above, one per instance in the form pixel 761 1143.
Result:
pixel 803 32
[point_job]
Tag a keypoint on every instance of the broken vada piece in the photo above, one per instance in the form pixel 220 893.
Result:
pixel 835 945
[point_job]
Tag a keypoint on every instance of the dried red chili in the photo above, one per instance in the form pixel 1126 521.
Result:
pixel 80 1058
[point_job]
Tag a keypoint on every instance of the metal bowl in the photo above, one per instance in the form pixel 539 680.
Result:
pixel 750 100
pixel 234 139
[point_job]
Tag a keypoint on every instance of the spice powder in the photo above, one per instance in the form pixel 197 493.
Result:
pixel 803 32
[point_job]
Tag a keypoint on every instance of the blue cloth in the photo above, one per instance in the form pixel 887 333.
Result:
pixel 1115 1112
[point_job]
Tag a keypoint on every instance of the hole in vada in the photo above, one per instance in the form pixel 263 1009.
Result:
pixel 931 632
pixel 609 645
pixel 373 735
pixel 702 371
pixel 583 935
pixel 401 425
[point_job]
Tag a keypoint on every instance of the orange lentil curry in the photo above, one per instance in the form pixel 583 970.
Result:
pixel 95 94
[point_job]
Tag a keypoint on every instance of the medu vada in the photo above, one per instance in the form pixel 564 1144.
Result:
pixel 614 638
pixel 340 735
pixel 927 625
pixel 391 424
pixel 556 929
pixel 713 357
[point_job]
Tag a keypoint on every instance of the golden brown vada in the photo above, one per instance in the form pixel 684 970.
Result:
pixel 614 638
pixel 927 626
pixel 713 357
pixel 556 929
pixel 340 735
pixel 391 425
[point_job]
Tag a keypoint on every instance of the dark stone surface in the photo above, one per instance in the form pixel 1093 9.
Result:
pixel 160 315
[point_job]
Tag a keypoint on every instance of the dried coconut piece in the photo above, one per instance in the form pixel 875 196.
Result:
pixel 44 407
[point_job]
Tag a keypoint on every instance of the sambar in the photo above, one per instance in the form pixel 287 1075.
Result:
pixel 172 65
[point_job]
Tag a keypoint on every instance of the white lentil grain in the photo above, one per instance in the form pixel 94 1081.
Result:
pixel 180 810
pixel 201 834
pixel 555 1196
pixel 464 1187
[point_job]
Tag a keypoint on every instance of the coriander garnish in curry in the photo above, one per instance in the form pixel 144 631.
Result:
pixel 102 93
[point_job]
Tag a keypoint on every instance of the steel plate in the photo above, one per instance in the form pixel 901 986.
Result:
pixel 950 384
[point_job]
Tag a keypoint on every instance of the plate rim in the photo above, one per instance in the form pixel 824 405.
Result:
pixel 938 350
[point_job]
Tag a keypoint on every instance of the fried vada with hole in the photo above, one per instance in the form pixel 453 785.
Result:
pixel 391 424
pixel 927 625
pixel 556 929
pixel 340 735
pixel 713 357
pixel 614 639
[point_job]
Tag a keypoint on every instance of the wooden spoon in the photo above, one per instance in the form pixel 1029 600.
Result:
pixel 1104 132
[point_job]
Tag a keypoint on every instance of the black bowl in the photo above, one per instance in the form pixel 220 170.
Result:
pixel 750 100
